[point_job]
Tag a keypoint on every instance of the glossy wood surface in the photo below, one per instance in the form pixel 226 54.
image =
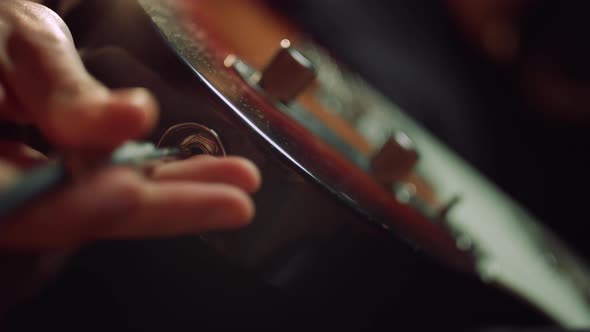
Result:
pixel 348 183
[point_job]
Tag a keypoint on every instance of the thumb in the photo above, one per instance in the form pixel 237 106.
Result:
pixel 44 72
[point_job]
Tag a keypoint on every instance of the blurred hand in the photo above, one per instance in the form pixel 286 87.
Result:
pixel 43 82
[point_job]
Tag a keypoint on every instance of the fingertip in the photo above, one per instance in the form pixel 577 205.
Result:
pixel 248 172
pixel 140 102
pixel 231 170
pixel 102 120
pixel 129 114
pixel 236 207
pixel 235 170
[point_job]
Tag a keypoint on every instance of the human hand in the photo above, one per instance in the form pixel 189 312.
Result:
pixel 44 83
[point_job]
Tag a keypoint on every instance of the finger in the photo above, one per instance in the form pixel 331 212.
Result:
pixel 234 171
pixel 173 208
pixel 48 78
pixel 8 173
pixel 20 155
pixel 85 123
pixel 16 157
pixel 10 108
pixel 119 203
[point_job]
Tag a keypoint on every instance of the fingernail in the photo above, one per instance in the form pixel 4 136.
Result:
pixel 238 213
pixel 257 176
pixel 137 97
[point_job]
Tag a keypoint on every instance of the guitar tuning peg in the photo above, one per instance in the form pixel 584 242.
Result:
pixel 395 160
pixel 287 74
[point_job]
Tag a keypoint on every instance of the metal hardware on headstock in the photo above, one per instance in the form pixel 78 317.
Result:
pixel 193 139
pixel 285 76
pixel 288 74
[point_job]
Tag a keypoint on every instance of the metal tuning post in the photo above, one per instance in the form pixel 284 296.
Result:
pixel 287 74
pixel 193 139
pixel 395 160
